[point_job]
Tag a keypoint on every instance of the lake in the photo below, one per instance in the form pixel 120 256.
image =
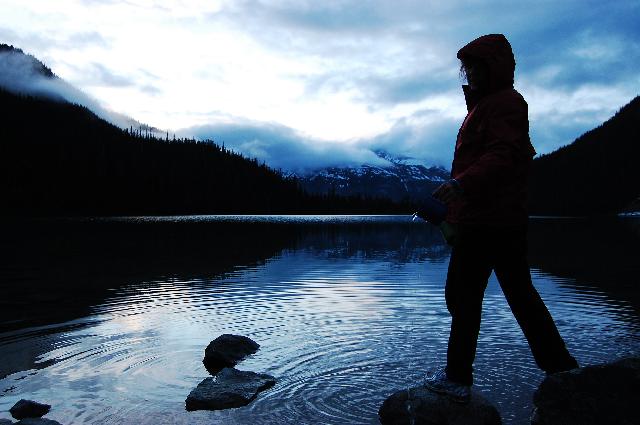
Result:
pixel 108 319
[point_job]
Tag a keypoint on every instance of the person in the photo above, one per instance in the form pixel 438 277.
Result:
pixel 486 219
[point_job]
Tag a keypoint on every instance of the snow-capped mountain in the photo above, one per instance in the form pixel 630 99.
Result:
pixel 403 179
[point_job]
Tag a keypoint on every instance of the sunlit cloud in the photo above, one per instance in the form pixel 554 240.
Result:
pixel 331 79
pixel 283 147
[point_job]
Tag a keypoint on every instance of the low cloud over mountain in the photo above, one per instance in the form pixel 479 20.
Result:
pixel 423 137
pixel 24 74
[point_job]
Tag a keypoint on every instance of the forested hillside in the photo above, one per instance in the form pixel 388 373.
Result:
pixel 58 158
pixel 598 173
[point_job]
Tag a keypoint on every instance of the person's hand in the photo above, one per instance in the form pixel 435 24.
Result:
pixel 448 192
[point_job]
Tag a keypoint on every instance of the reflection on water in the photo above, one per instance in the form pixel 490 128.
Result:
pixel 108 319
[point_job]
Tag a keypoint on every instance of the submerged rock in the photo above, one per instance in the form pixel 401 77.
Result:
pixel 227 350
pixel 6 422
pixel 419 406
pixel 29 409
pixel 593 395
pixel 230 388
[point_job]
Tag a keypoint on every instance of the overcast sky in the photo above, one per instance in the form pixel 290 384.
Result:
pixel 312 83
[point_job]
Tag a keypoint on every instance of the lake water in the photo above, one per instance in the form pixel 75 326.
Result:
pixel 108 319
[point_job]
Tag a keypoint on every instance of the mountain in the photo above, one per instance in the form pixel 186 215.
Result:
pixel 402 179
pixel 59 158
pixel 18 66
pixel 21 73
pixel 596 174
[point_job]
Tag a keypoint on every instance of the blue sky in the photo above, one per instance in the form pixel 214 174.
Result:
pixel 304 84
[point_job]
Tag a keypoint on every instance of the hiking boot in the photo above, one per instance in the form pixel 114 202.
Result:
pixel 437 381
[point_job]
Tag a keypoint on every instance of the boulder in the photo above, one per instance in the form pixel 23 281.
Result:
pixel 29 409
pixel 37 421
pixel 594 395
pixel 229 388
pixel 419 406
pixel 226 351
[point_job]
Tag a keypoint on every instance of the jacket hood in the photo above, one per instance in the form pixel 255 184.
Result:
pixel 495 51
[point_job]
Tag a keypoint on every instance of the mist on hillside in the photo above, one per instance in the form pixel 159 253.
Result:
pixel 24 74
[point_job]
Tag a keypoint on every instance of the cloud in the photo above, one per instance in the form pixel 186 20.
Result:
pixel 283 147
pixel 39 41
pixel 541 35
pixel 100 2
pixel 582 59
pixel 346 72
pixel 150 89
pixel 557 117
pixel 322 16
pixel 424 136
pixel 412 87
pixel 96 74
pixel 84 39
pixel 21 73
pixel 404 53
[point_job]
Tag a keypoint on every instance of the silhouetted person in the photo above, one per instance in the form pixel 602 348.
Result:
pixel 488 220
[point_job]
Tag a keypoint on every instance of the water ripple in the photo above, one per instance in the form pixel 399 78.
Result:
pixel 340 332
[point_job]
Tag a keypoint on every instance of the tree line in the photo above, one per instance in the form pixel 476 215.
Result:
pixel 597 174
pixel 58 158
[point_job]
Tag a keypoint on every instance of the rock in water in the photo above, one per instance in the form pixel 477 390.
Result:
pixel 29 409
pixel 593 395
pixel 419 406
pixel 227 350
pixel 6 422
pixel 230 388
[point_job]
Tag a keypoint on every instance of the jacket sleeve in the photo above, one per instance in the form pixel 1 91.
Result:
pixel 507 147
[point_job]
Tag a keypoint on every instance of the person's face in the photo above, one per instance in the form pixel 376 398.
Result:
pixel 477 75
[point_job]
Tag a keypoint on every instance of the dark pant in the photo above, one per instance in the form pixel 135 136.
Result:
pixel 476 252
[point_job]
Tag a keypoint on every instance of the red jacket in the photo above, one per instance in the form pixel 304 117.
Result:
pixel 493 150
